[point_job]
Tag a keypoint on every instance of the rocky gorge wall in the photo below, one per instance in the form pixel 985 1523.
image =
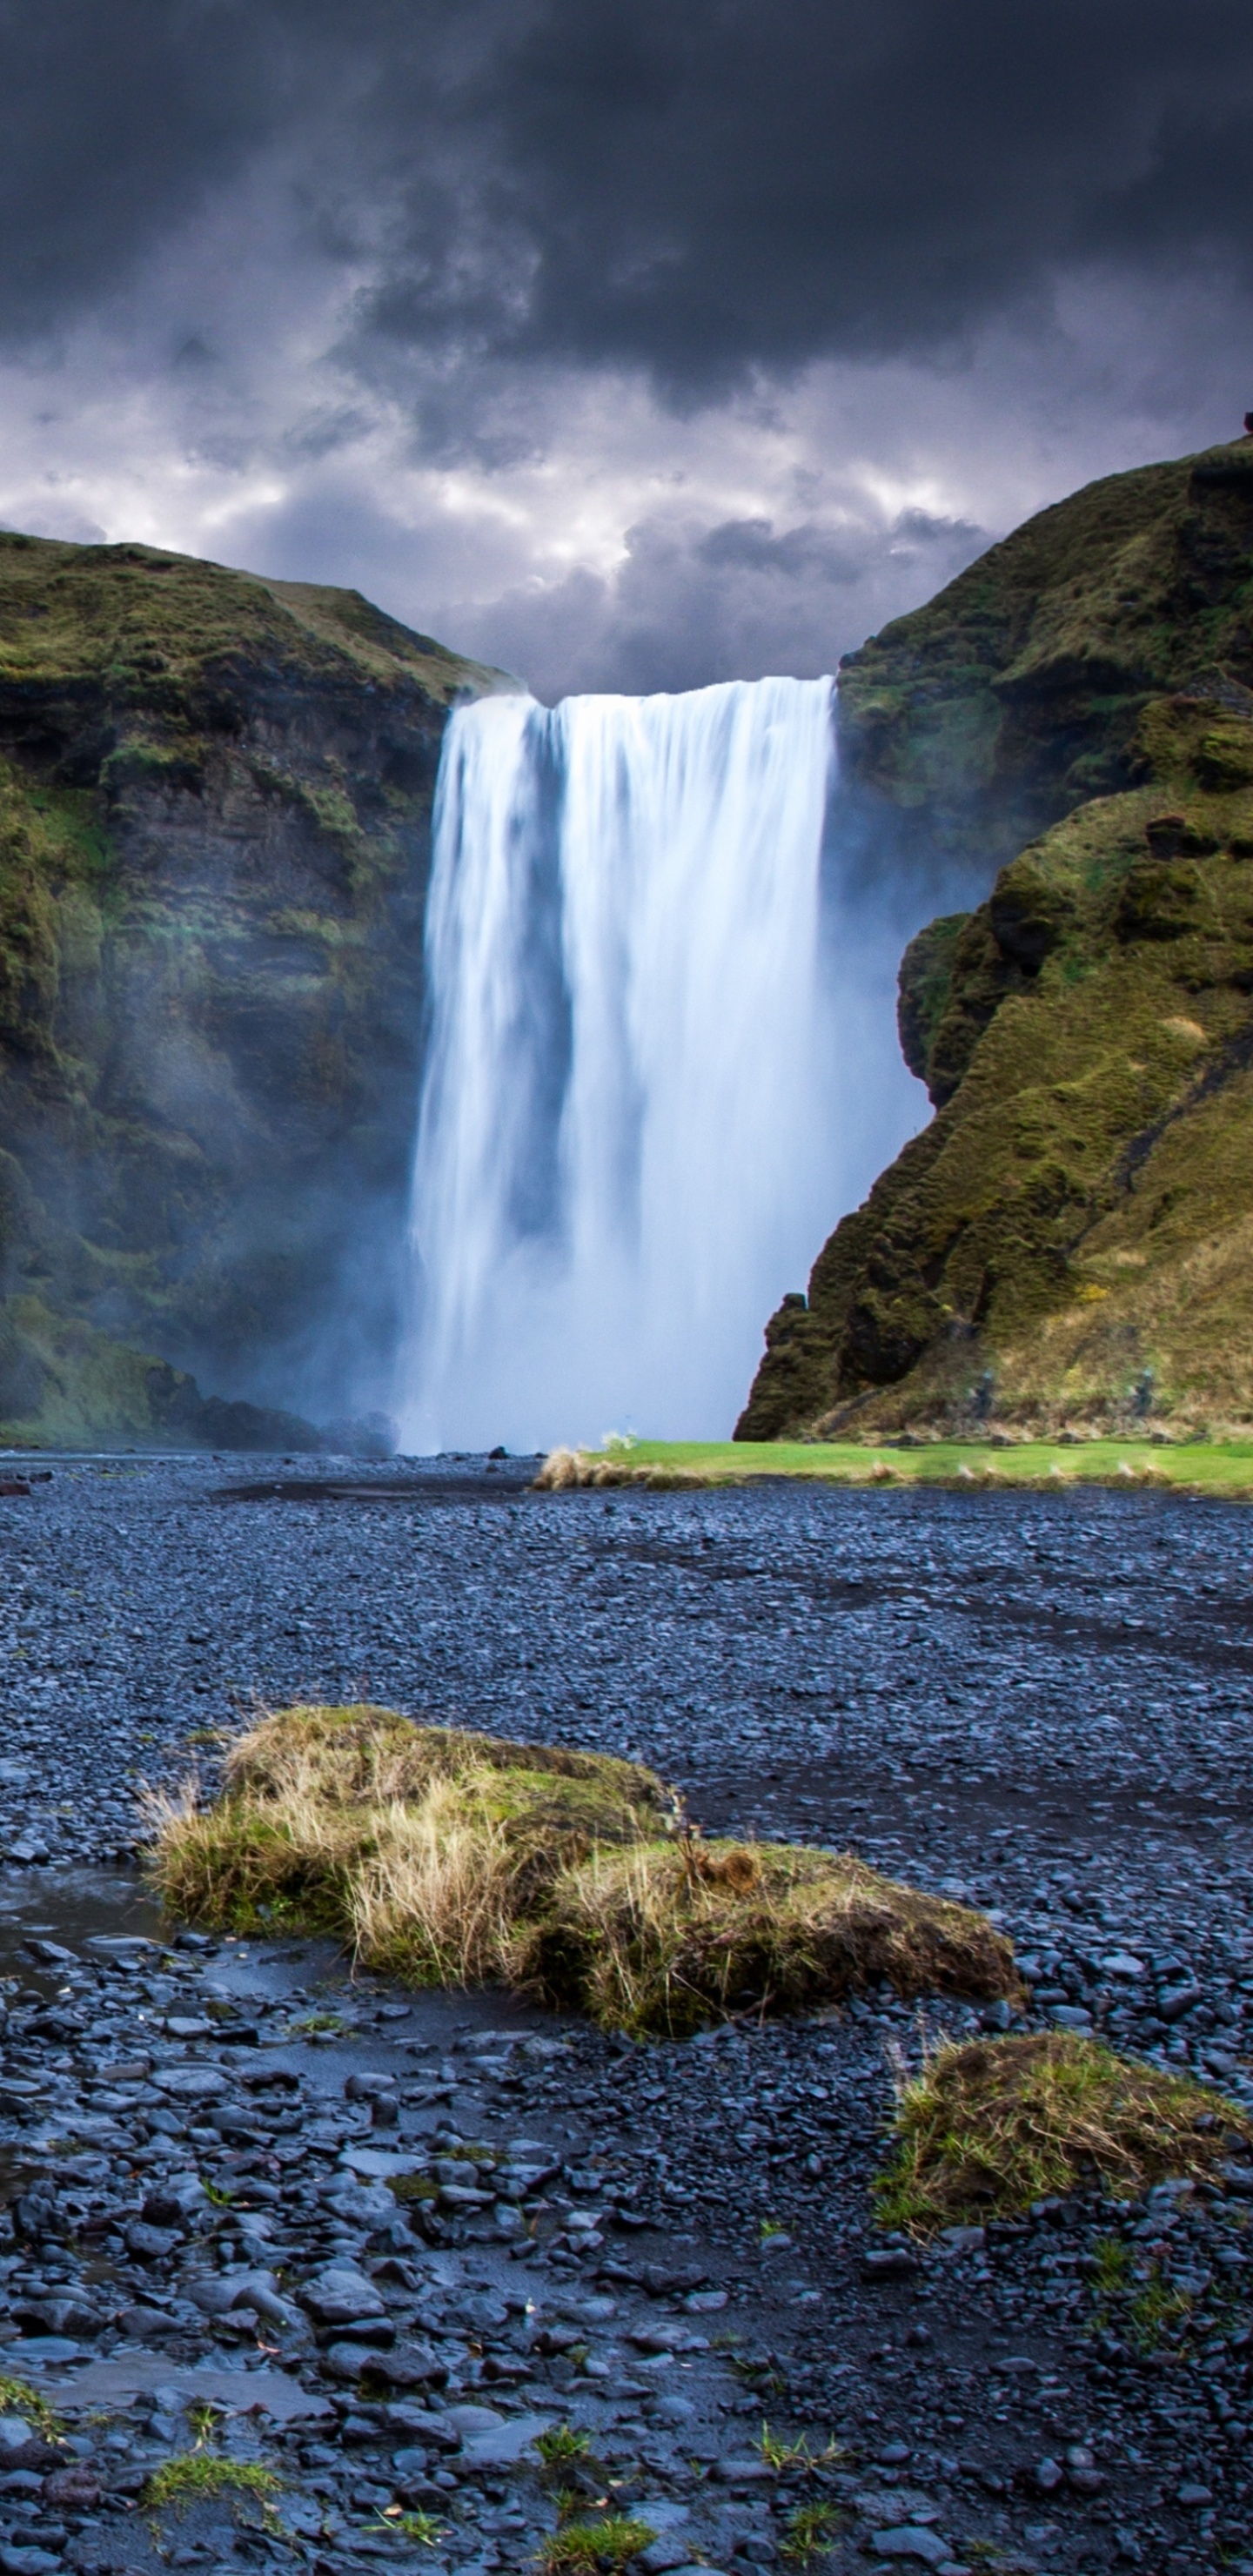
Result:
pixel 1068 1242
pixel 215 799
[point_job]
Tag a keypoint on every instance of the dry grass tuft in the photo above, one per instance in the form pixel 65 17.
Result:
pixel 564 1470
pixel 654 1938
pixel 419 1845
pixel 446 1857
pixel 989 2127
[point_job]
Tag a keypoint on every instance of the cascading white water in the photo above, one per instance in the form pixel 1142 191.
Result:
pixel 615 1174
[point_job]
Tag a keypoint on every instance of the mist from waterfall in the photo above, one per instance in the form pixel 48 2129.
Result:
pixel 631 1137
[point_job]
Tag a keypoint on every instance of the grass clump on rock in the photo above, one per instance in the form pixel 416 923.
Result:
pixel 196 2475
pixel 419 1845
pixel 446 1857
pixel 580 2546
pixel 667 1938
pixel 989 2126
pixel 17 2397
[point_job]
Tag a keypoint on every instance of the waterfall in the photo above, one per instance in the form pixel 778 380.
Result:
pixel 616 1172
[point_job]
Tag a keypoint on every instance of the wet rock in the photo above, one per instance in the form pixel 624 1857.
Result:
pixel 149 2244
pixel 71 2315
pixel 340 2297
pixel 911 2540
pixel 74 2489
pixel 176 2203
pixel 889 2263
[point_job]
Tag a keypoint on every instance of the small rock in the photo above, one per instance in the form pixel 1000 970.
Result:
pixel 888 2263
pixel 149 2244
pixel 176 2202
pixel 911 2540
pixel 341 2297
pixel 76 2487
pixel 190 2083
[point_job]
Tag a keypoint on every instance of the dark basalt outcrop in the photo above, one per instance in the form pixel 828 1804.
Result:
pixel 1069 1241
pixel 215 798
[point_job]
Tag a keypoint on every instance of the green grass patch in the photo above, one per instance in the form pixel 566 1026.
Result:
pixel 811 2530
pixel 667 1938
pixel 612 2543
pixel 196 2475
pixel 1221 1468
pixel 423 2528
pixel 17 2397
pixel 1157 2311
pixel 990 2126
pixel 561 2444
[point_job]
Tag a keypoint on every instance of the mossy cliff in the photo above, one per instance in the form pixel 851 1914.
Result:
pixel 215 798
pixel 1014 695
pixel 1070 1241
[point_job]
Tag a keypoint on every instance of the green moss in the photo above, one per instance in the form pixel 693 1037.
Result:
pixel 1018 692
pixel 989 2126
pixel 1068 1243
pixel 926 989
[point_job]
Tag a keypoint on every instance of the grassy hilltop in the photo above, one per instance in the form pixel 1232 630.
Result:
pixel 1068 1244
pixel 215 798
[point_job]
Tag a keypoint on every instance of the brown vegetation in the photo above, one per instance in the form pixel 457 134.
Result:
pixel 448 1857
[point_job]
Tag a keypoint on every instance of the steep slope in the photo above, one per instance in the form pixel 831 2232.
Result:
pixel 215 800
pixel 1069 1241
pixel 971 725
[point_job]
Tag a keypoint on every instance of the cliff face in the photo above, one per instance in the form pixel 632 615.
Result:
pixel 215 798
pixel 970 726
pixel 1069 1240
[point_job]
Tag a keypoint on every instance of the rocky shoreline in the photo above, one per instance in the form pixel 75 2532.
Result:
pixel 378 2244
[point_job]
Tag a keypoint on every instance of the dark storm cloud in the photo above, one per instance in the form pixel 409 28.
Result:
pixel 117 118
pixel 702 191
pixel 735 601
pixel 725 185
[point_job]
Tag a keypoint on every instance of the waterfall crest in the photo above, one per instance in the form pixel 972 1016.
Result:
pixel 614 1176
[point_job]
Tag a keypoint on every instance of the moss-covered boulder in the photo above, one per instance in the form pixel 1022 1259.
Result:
pixel 215 798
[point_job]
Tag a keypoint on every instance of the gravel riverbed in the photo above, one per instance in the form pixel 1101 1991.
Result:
pixel 379 2243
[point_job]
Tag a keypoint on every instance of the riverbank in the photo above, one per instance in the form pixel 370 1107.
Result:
pixel 1037 1702
pixel 1222 1468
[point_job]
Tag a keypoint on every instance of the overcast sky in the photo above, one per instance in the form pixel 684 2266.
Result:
pixel 630 343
